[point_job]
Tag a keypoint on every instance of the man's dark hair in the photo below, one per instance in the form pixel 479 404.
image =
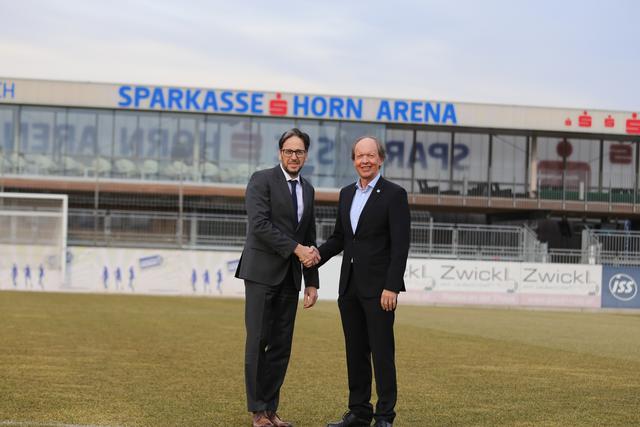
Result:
pixel 295 132
pixel 381 151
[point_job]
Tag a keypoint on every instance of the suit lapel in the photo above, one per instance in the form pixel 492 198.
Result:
pixel 285 190
pixel 347 211
pixel 306 200
pixel 375 195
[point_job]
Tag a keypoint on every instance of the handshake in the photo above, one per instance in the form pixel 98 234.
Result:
pixel 308 255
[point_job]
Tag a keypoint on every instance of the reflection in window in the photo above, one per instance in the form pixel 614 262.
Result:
pixel 432 161
pixel 470 159
pixel 7 131
pixel 227 148
pixel 572 164
pixel 401 156
pixel 264 147
pixel 321 160
pixel 39 148
pixel 509 162
pixel 618 164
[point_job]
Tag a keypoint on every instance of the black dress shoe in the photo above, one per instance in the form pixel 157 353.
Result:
pixel 383 423
pixel 349 419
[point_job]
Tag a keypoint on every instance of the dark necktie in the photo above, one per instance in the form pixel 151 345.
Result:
pixel 294 199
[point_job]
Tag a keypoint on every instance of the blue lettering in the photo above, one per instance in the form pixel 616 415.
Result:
pixel 300 105
pixel 318 106
pixel 6 90
pixel 400 109
pixel 384 112
pixel 175 97
pixel 124 96
pixel 435 114
pixel 157 98
pixel 395 153
pixel 192 100
pixel 460 152
pixel 210 101
pixel 335 107
pixel 440 151
pixel 416 111
pixel 354 111
pixel 256 103
pixel 141 93
pixel 449 114
pixel 243 106
pixel 227 101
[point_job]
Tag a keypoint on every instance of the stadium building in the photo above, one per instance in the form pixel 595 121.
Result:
pixel 166 167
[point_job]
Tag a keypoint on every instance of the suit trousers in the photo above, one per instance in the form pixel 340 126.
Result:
pixel 368 331
pixel 270 314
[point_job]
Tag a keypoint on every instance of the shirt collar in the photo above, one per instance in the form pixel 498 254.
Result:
pixel 371 185
pixel 288 177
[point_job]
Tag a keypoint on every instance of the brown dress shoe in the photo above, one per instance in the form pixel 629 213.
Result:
pixel 260 419
pixel 276 421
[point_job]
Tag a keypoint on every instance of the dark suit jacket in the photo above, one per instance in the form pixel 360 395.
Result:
pixel 378 250
pixel 271 236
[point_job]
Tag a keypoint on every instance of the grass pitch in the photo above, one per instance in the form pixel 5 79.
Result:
pixel 169 361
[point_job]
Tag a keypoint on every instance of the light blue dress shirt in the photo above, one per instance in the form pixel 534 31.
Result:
pixel 359 200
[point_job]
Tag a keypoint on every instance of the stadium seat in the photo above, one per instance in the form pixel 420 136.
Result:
pixel 101 166
pixel 149 169
pixel 125 168
pixel 72 166
pixel 423 187
pixel 210 171
pixel 39 164
pixel 179 170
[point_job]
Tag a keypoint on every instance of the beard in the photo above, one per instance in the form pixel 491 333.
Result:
pixel 293 174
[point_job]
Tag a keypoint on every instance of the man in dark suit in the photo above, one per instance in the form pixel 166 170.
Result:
pixel 281 235
pixel 372 228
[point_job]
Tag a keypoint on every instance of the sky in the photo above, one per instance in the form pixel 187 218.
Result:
pixel 560 53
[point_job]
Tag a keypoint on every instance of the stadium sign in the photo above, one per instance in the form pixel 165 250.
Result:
pixel 620 287
pixel 502 283
pixel 323 107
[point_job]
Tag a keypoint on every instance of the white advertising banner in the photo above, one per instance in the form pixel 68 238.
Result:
pixel 211 273
pixel 140 271
pixel 502 283
pixel 321 107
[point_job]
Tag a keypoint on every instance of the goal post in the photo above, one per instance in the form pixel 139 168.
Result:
pixel 33 241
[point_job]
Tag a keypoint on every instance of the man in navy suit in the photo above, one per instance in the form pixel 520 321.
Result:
pixel 373 229
pixel 281 235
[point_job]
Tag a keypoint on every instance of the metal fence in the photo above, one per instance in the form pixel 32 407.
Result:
pixel 611 247
pixel 463 241
pixel 126 228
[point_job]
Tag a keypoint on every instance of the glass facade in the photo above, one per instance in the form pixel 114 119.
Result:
pixel 509 163
pixel 208 148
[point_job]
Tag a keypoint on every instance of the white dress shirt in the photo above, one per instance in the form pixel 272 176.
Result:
pixel 298 191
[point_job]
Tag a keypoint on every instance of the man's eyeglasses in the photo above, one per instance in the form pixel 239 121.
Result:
pixel 288 153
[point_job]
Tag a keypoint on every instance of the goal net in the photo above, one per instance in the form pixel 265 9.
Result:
pixel 33 241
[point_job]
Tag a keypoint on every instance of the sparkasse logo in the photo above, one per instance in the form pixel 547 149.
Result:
pixel 623 287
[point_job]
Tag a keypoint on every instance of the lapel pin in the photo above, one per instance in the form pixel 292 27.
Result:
pixel 378 190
